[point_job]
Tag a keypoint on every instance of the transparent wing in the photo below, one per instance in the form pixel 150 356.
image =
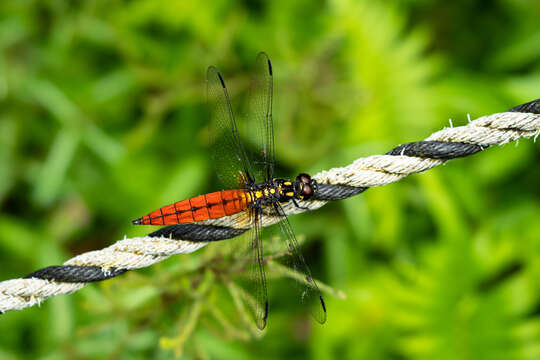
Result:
pixel 256 277
pixel 229 157
pixel 260 118
pixel 308 291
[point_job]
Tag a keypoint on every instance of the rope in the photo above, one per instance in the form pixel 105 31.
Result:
pixel 339 183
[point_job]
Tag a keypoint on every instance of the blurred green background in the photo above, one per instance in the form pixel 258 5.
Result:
pixel 102 119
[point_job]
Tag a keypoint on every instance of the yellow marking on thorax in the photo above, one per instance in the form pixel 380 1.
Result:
pixel 258 194
pixel 266 192
pixel 272 191
pixel 290 194
pixel 287 183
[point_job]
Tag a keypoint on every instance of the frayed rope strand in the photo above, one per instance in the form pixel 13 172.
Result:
pixel 522 121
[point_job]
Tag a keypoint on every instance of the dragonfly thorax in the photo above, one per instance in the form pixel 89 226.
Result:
pixel 282 190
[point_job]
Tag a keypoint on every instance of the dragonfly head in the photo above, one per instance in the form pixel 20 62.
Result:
pixel 304 187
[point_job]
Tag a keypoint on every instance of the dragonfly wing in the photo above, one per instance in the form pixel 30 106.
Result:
pixel 308 291
pixel 256 277
pixel 229 156
pixel 260 118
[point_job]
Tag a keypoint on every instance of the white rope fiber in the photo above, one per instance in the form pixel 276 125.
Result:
pixel 136 253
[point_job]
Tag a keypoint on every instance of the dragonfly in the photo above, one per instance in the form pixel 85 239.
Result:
pixel 252 192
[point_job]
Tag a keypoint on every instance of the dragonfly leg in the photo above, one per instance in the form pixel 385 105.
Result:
pixel 298 206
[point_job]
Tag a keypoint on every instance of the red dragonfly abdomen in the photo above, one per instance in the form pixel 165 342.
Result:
pixel 203 207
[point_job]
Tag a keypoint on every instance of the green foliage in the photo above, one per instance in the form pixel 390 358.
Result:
pixel 103 119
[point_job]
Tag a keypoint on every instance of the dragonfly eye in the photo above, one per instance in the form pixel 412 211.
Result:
pixel 307 191
pixel 303 178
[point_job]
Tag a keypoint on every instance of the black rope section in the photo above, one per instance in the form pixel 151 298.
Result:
pixel 532 107
pixel 440 150
pixel 328 192
pixel 74 273
pixel 204 233
pixel 197 232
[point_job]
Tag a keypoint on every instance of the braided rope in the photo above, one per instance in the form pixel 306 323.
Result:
pixel 338 183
